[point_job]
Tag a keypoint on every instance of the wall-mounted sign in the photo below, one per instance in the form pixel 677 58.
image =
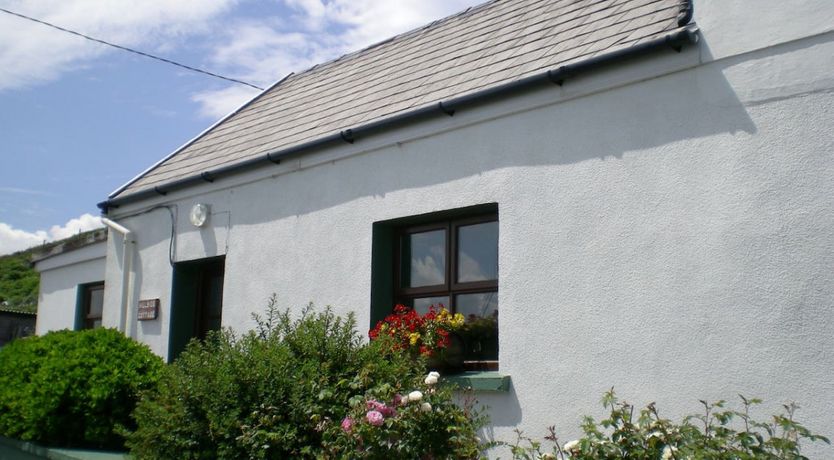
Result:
pixel 148 309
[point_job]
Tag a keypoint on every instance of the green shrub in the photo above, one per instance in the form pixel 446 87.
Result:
pixel 72 388
pixel 716 434
pixel 269 393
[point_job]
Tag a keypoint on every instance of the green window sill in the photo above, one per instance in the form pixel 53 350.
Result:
pixel 480 381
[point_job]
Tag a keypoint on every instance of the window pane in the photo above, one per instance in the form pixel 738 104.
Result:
pixel 96 302
pixel 483 304
pixel 424 259
pixel 480 332
pixel 478 252
pixel 422 305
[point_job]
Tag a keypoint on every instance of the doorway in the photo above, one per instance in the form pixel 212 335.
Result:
pixel 196 302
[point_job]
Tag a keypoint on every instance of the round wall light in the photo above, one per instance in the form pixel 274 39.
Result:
pixel 199 214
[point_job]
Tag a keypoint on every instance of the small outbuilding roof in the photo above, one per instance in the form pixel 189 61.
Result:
pixel 487 46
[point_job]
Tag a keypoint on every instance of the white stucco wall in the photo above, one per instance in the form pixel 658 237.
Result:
pixel 60 276
pixel 666 228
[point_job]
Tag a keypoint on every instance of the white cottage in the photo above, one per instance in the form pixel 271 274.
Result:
pixel 641 194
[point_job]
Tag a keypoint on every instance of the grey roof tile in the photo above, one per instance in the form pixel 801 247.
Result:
pixel 494 43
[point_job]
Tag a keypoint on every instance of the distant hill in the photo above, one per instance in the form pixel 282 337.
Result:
pixel 19 281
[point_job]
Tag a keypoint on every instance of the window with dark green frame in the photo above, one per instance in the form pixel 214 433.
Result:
pixel 92 305
pixel 453 262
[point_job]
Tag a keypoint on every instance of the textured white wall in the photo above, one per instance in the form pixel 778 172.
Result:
pixel 60 277
pixel 672 237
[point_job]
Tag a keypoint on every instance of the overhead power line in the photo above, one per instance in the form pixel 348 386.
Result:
pixel 130 50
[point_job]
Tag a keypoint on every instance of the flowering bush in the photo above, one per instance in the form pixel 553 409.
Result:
pixel 412 332
pixel 266 394
pixel 424 423
pixel 717 433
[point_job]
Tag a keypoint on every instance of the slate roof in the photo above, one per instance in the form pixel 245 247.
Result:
pixel 488 45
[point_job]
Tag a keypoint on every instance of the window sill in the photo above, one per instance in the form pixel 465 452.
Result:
pixel 480 381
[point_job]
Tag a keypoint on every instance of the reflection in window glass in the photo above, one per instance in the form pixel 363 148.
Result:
pixel 93 305
pixel 480 332
pixel 477 305
pixel 421 305
pixel 477 252
pixel 96 302
pixel 424 259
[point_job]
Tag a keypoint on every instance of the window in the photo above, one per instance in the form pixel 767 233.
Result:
pixel 93 305
pixel 448 259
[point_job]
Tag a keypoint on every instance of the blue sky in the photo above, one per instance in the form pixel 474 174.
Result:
pixel 78 119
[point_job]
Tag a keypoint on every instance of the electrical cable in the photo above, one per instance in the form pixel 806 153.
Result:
pixel 130 50
pixel 173 212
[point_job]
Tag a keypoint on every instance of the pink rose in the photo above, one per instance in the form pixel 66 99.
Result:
pixel 386 411
pixel 347 424
pixel 375 418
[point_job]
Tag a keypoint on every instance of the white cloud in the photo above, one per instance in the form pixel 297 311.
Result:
pixel 74 226
pixel 265 49
pixel 23 191
pixel 370 21
pixel 13 239
pixel 260 50
pixel 217 104
pixel 32 53
pixel 426 272
pixel 312 12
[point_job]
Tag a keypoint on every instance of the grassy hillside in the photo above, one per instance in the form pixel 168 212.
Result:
pixel 18 282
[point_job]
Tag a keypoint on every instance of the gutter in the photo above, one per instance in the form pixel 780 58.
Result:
pixel 128 247
pixel 672 41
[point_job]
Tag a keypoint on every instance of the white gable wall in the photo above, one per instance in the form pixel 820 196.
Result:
pixel 672 237
pixel 60 277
